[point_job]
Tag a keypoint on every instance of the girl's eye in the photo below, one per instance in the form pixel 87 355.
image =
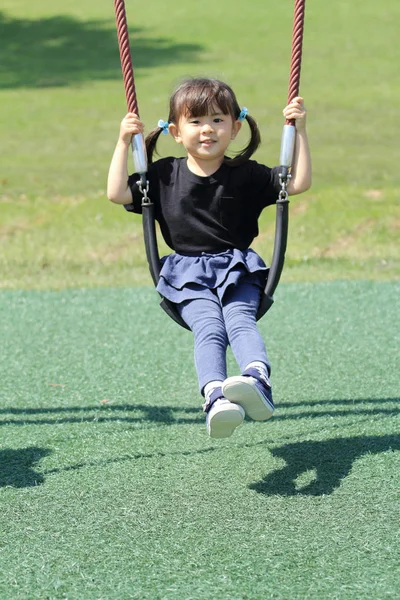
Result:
pixel 217 120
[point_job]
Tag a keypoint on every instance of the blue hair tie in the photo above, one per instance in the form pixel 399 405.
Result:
pixel 243 114
pixel 164 126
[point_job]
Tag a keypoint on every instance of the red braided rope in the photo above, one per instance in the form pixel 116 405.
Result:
pixel 126 60
pixel 297 47
pixel 125 55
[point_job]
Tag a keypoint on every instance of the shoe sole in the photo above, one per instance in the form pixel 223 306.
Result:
pixel 224 422
pixel 239 390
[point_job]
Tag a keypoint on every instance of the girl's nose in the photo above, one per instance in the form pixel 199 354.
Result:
pixel 207 127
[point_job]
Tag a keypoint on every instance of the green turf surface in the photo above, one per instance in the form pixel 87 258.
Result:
pixel 109 486
pixel 129 498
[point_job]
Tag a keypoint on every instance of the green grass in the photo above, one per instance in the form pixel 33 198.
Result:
pixel 108 244
pixel 109 486
pixel 62 91
pixel 129 498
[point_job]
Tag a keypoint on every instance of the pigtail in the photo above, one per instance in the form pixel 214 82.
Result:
pixel 151 143
pixel 254 142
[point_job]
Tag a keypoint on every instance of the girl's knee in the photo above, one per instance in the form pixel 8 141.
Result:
pixel 205 319
pixel 240 315
pixel 209 328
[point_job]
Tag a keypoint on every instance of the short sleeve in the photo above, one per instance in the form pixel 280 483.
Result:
pixel 265 183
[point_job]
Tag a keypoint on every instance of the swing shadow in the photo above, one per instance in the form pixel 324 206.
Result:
pixel 17 467
pixel 328 462
pixel 331 460
pixel 175 415
pixel 163 415
pixel 61 50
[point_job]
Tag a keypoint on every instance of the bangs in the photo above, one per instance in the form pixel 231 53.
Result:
pixel 199 97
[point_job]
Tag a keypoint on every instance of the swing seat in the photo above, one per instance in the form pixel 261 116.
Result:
pixel 278 258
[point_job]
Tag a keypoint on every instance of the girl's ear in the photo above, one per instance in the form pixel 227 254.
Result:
pixel 174 131
pixel 236 127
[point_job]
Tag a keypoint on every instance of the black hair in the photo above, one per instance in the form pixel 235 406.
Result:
pixel 197 97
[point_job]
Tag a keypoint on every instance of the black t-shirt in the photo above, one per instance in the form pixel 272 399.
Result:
pixel 207 214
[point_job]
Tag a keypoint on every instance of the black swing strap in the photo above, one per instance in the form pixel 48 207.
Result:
pixel 153 258
pixel 278 257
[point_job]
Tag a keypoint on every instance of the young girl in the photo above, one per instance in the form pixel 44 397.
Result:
pixel 207 206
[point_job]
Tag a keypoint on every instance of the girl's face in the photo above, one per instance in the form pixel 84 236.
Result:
pixel 206 138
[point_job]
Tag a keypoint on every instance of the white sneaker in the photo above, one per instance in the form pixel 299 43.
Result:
pixel 223 418
pixel 250 394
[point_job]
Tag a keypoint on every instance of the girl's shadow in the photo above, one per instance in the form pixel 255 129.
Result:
pixel 16 467
pixel 317 468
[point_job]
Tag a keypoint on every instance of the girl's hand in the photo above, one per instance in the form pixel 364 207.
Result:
pixel 297 111
pixel 130 125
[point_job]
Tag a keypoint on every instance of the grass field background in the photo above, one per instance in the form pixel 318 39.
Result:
pixel 63 99
pixel 109 485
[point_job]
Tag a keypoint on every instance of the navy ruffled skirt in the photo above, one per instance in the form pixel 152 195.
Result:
pixel 204 275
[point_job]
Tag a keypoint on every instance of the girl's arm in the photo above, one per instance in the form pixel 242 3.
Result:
pixel 118 190
pixel 301 164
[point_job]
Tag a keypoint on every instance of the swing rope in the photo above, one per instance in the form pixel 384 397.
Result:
pixel 282 204
pixel 125 56
pixel 297 50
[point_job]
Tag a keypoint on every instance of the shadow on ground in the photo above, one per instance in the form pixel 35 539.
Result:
pixel 173 415
pixel 329 462
pixel 127 413
pixel 61 50
pixel 17 467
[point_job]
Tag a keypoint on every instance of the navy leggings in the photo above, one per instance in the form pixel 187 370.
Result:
pixel 215 324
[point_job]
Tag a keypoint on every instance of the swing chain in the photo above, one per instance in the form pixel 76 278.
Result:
pixel 283 180
pixel 143 186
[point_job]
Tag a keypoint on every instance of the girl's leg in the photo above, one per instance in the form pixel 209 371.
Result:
pixel 204 317
pixel 240 306
pixel 252 389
